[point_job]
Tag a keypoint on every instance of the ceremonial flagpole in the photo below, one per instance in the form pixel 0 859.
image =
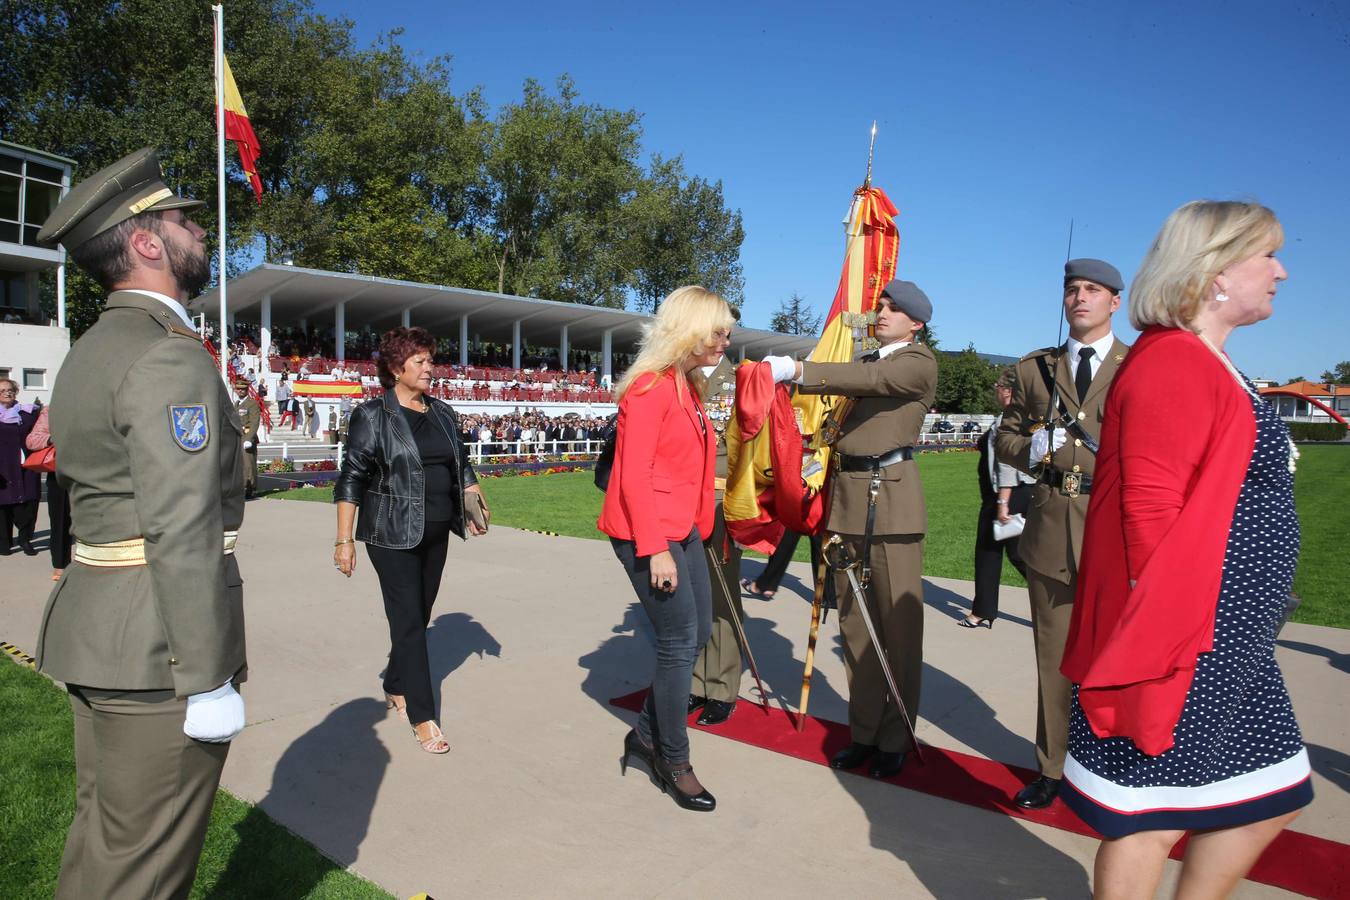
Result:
pixel 218 15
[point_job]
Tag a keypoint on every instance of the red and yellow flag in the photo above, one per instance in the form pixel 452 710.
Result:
pixel 872 249
pixel 240 130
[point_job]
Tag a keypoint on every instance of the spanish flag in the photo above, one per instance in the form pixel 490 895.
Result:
pixel 240 130
pixel 769 482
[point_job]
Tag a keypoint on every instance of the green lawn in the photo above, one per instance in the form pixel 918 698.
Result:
pixel 1322 494
pixel 37 794
pixel 569 504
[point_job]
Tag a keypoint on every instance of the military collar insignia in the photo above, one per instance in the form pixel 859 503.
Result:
pixel 188 426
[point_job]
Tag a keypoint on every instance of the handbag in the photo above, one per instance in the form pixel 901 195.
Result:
pixel 43 460
pixel 1011 528
pixel 604 464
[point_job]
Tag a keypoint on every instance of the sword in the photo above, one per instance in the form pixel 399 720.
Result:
pixel 843 560
pixel 716 573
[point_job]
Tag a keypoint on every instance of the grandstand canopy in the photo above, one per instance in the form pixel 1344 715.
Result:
pixel 272 295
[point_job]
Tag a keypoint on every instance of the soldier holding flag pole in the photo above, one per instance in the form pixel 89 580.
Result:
pixel 877 513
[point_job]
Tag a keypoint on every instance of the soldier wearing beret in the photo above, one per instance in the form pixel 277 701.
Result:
pixel 877 508
pixel 250 417
pixel 717 671
pixel 146 628
pixel 1050 430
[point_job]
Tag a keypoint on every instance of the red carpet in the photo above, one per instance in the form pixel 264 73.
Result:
pixel 1297 862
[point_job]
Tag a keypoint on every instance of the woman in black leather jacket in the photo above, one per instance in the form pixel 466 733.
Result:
pixel 406 484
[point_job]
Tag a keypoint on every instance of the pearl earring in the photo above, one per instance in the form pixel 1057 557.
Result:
pixel 1221 297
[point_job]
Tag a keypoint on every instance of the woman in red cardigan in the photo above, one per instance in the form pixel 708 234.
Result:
pixel 1180 720
pixel 658 507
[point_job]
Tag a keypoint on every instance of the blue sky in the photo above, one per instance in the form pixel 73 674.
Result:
pixel 998 122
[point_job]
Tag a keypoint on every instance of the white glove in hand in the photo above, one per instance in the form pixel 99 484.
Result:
pixel 216 716
pixel 248 445
pixel 784 368
pixel 1040 444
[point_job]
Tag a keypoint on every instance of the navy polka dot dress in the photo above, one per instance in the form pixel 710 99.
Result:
pixel 1238 755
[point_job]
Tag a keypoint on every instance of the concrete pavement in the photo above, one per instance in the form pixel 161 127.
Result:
pixel 533 635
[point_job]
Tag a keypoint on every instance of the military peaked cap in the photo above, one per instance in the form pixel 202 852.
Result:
pixel 131 186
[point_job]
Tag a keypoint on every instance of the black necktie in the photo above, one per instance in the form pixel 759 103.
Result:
pixel 1082 379
pixel 871 357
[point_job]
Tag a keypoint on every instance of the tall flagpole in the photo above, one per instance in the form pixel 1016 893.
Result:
pixel 218 14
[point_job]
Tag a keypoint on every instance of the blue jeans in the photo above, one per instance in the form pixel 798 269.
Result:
pixel 682 621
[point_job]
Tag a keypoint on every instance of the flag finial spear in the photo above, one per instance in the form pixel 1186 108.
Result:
pixel 867 182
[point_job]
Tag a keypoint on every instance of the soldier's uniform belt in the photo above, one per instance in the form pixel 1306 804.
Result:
pixel 872 463
pixel 1070 484
pixel 131 552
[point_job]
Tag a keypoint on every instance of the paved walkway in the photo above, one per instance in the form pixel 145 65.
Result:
pixel 532 637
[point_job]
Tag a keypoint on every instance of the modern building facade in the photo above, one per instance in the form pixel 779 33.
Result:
pixel 32 345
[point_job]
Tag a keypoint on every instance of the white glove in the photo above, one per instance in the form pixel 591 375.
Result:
pixel 784 368
pixel 216 716
pixel 248 445
pixel 1040 444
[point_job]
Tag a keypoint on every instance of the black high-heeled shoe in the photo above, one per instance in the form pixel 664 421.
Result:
pixel 978 622
pixel 666 775
pixel 633 746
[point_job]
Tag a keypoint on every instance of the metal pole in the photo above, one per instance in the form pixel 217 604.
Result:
pixel 219 15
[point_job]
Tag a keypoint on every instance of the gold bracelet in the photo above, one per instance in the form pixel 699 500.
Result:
pixel 347 541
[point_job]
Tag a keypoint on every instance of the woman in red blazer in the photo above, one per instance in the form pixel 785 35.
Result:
pixel 658 508
pixel 1180 720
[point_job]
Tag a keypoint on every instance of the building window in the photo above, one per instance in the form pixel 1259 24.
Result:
pixel 29 191
pixel 34 379
pixel 4 374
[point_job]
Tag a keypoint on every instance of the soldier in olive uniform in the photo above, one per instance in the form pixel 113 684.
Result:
pixel 892 389
pixel 250 417
pixel 1067 383
pixel 146 628
pixel 717 671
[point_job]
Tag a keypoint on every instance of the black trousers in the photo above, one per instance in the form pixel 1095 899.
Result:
pixel 989 552
pixel 409 580
pixel 58 514
pixel 774 569
pixel 17 516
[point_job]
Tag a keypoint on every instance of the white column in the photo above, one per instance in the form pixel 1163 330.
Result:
pixel 265 333
pixel 562 350
pixel 607 355
pixel 340 332
pixel 464 339
pixel 515 344
pixel 407 318
pixel 61 291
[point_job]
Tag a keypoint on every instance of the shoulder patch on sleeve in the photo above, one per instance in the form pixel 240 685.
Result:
pixel 188 426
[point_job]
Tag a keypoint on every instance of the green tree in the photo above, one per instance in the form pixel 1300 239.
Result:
pixel 680 232
pixel 794 316
pixel 965 383
pixel 1338 375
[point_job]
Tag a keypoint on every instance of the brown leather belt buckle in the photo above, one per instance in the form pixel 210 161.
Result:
pixel 1072 484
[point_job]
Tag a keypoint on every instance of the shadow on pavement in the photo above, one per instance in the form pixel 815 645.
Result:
pixel 323 788
pixel 452 639
pixel 957 851
pixel 1338 661
pixel 1331 764
pixel 622 663
pixel 972 721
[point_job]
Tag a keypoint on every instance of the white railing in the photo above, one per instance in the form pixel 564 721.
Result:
pixel 478 451
pixel 302 452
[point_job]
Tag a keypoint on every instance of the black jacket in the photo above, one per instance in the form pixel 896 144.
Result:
pixel 382 473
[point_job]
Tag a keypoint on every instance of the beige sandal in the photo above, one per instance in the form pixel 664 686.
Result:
pixel 391 703
pixel 436 742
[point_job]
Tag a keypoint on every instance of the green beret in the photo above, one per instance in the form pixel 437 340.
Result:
pixel 131 186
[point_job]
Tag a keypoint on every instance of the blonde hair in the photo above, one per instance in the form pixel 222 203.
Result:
pixel 1196 243
pixel 683 326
